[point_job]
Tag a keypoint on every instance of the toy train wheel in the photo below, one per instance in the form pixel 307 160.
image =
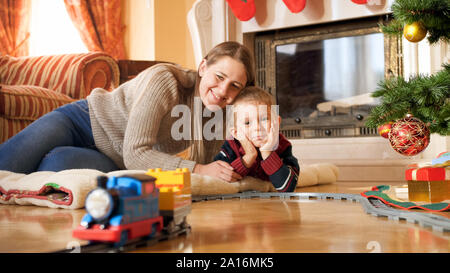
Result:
pixel 171 227
pixel 153 231
pixel 184 224
pixel 123 239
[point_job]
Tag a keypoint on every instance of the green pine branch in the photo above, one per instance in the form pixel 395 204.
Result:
pixel 434 14
pixel 425 97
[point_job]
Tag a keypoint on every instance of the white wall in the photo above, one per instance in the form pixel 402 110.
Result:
pixel 139 35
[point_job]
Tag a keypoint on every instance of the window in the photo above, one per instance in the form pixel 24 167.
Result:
pixel 51 30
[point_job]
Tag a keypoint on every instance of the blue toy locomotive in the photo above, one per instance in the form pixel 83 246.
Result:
pixel 121 209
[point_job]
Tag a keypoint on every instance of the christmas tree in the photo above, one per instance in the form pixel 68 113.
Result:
pixel 431 15
pixel 425 97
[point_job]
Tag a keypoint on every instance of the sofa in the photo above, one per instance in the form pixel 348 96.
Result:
pixel 33 86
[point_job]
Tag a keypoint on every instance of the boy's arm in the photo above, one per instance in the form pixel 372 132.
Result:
pixel 282 170
pixel 228 155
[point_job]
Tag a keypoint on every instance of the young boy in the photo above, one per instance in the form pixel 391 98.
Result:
pixel 257 148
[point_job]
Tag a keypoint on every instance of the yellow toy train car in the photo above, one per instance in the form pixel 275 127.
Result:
pixel 174 196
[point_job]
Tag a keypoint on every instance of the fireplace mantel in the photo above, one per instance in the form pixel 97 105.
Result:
pixel 359 159
pixel 212 21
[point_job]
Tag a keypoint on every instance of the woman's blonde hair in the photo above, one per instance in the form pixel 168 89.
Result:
pixel 239 53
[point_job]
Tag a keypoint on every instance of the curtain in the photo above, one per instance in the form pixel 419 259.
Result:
pixel 14 23
pixel 99 25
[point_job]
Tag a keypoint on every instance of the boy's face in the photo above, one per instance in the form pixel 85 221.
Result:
pixel 253 121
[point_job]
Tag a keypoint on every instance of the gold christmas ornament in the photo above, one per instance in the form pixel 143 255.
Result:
pixel 414 32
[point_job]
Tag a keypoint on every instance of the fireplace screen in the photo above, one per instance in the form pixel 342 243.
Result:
pixel 311 73
pixel 323 76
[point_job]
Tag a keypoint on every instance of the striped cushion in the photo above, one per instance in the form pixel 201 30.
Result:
pixel 20 105
pixel 29 102
pixel 10 127
pixel 61 73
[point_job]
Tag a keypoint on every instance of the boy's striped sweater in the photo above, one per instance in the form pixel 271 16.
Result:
pixel 281 167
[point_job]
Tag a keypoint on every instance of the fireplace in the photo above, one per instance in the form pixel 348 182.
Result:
pixel 322 75
pixel 369 158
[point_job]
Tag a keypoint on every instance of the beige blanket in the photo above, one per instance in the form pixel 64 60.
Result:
pixel 68 189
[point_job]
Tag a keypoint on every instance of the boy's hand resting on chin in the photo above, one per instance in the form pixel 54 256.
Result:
pixel 272 139
pixel 250 150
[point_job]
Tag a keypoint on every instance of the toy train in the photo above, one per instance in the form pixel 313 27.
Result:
pixel 134 206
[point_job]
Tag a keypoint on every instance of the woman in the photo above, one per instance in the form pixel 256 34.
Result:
pixel 131 127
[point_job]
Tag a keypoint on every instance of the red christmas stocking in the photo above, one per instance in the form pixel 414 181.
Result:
pixel 361 2
pixel 244 10
pixel 295 6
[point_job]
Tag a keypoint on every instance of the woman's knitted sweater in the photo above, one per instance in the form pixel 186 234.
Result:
pixel 132 124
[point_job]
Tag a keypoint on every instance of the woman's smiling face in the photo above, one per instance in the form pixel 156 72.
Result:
pixel 221 82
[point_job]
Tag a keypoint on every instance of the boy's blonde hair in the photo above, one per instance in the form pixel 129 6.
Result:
pixel 254 94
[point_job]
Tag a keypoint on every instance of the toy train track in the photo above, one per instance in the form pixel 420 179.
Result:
pixel 129 246
pixel 371 206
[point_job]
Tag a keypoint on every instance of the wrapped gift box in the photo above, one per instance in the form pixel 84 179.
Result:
pixel 429 184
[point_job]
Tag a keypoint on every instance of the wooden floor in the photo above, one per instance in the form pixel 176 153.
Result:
pixel 254 225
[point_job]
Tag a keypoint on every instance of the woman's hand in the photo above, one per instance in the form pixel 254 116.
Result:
pixel 219 169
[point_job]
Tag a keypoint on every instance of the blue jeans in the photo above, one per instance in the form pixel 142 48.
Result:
pixel 59 140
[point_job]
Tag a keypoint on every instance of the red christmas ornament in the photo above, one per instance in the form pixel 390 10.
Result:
pixel 409 136
pixel 383 130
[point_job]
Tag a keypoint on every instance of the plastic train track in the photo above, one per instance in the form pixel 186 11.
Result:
pixel 370 205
